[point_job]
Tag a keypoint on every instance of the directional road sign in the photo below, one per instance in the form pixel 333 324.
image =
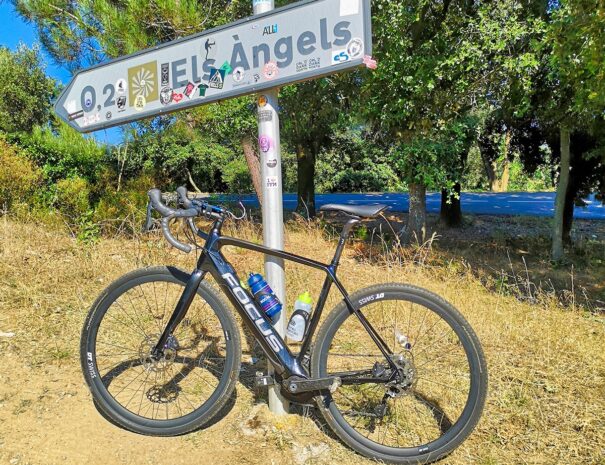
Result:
pixel 298 42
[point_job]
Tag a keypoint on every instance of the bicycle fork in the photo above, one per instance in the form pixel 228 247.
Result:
pixel 179 312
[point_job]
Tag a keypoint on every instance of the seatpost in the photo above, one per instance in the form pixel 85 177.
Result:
pixel 344 235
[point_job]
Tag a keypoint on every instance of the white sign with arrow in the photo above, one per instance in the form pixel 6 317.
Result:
pixel 301 41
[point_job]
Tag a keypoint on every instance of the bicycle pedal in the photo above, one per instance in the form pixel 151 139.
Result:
pixel 263 380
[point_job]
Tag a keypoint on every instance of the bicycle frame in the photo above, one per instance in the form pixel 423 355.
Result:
pixel 284 362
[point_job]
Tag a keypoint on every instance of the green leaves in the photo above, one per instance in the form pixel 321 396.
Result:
pixel 63 152
pixel 25 90
pixel 79 34
pixel 578 57
pixel 436 161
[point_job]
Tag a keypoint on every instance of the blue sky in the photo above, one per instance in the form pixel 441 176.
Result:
pixel 14 31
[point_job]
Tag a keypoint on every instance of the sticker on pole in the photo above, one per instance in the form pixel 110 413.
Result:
pixel 298 42
pixel 272 182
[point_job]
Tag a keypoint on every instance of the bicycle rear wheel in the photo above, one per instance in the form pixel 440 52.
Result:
pixel 188 385
pixel 439 392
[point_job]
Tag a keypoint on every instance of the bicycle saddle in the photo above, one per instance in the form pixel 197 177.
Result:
pixel 365 211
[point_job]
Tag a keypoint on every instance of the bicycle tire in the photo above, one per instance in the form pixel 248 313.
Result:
pixel 336 416
pixel 228 348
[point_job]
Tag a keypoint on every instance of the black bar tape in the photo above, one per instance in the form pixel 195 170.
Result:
pixel 182 193
pixel 168 235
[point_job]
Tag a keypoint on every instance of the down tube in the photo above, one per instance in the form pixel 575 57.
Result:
pixel 275 348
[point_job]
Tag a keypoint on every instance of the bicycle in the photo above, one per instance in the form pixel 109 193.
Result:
pixel 396 371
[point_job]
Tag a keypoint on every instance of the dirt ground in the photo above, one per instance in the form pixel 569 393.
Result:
pixel 546 363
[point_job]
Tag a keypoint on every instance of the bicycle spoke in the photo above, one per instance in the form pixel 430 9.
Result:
pixel 433 341
pixel 184 379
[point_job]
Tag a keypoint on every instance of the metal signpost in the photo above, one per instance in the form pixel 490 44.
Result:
pixel 273 209
pixel 298 42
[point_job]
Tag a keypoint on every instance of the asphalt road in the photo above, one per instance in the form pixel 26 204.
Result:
pixel 509 203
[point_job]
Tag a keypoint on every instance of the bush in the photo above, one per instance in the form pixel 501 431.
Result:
pixel 19 177
pixel 123 211
pixel 355 163
pixel 474 177
pixel 26 92
pixel 236 176
pixel 64 153
pixel 521 180
pixel 73 198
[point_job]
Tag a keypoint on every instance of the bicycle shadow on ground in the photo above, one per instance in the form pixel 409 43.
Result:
pixel 169 390
pixel 254 362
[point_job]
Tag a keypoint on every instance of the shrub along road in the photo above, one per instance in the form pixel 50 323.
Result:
pixel 482 203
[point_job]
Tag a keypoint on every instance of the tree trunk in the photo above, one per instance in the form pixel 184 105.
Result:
pixel 253 161
pixel 501 185
pixel 496 183
pixel 568 214
pixel 504 180
pixel 573 187
pixel 451 211
pixel 417 216
pixel 121 164
pixel 557 233
pixel 192 182
pixel 306 181
pixel 489 167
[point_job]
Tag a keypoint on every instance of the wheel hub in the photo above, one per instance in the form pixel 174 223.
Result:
pixel 406 375
pixel 162 363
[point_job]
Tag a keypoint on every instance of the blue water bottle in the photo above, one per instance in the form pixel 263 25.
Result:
pixel 264 295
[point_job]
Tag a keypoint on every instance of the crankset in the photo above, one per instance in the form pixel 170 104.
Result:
pixel 299 390
pixel 296 385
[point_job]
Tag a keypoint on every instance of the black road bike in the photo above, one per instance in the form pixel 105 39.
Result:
pixel 395 370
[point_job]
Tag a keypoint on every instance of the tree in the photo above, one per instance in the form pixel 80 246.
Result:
pixel 563 105
pixel 84 33
pixel 557 239
pixel 458 140
pixel 577 72
pixel 439 62
pixel 176 152
pixel 310 110
pixel 355 161
pixel 586 170
pixel 494 146
pixel 26 92
pixel 232 123
pixel 442 156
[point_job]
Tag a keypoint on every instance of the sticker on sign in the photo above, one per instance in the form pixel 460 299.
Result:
pixel 298 42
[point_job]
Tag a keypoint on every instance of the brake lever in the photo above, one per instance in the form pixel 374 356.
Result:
pixel 182 195
pixel 148 219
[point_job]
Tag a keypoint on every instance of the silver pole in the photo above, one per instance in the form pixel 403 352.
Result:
pixel 273 210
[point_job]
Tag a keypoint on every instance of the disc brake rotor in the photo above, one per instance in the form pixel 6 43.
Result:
pixel 169 353
pixel 406 375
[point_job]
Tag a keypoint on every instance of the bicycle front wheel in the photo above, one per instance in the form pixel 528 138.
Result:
pixel 184 388
pixel 423 405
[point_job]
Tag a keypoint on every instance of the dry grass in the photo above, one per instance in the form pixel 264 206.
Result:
pixel 547 365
